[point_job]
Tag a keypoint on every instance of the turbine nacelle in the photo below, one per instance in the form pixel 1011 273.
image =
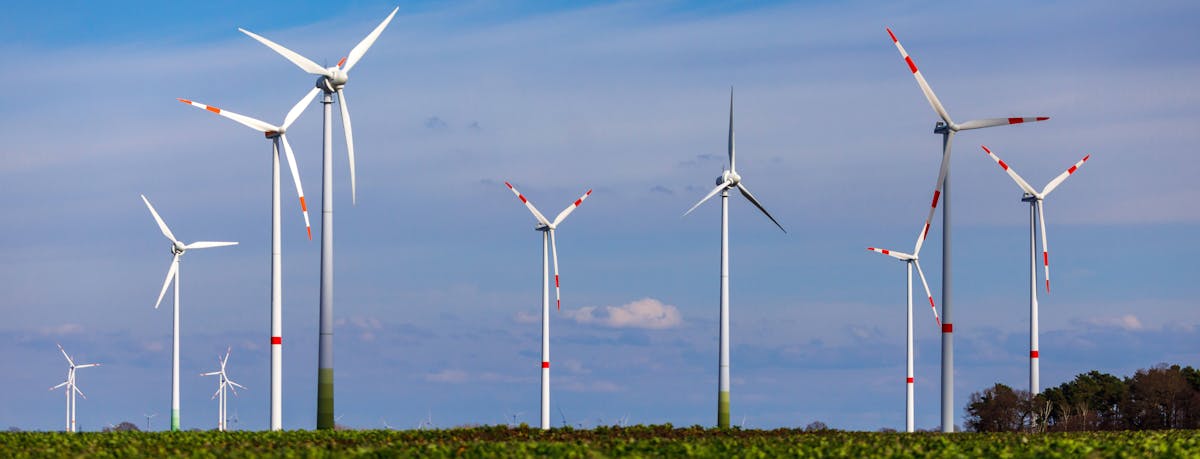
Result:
pixel 333 81
pixel 177 248
pixel 730 177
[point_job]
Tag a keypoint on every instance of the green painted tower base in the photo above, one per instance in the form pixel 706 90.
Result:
pixel 174 420
pixel 325 398
pixel 722 410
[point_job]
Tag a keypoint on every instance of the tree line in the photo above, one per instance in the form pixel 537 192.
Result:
pixel 1161 397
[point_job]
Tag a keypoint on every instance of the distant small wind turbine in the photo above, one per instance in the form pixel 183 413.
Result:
pixel 1036 215
pixel 148 416
pixel 224 383
pixel 71 388
pixel 547 228
pixel 727 181
pixel 178 248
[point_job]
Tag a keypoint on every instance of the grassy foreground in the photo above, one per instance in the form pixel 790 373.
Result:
pixel 636 441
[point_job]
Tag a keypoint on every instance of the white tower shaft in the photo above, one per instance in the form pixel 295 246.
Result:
pixel 276 421
pixel 723 359
pixel 174 358
pixel 1034 385
pixel 545 418
pixel 908 381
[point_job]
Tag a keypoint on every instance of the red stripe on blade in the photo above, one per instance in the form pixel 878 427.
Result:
pixel 885 251
pixel 522 198
pixel 947 328
pixel 303 206
pixel 212 109
pixel 1046 258
pixel 309 228
pixel 1016 120
pixel 184 101
pixel 1071 170
pixel 1043 118
pixel 926 233
pixel 578 202
pixel 1001 162
pixel 556 280
pixel 890 34
pixel 911 65
pixel 936 194
pixel 276 340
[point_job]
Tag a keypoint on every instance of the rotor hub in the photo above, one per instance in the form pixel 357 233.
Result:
pixel 178 248
pixel 729 176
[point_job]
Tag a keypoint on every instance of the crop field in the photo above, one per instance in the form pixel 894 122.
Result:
pixel 636 441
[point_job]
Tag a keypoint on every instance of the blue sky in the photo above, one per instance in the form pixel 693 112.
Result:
pixel 437 267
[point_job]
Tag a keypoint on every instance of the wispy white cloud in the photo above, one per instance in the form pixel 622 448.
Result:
pixel 1128 322
pixel 644 313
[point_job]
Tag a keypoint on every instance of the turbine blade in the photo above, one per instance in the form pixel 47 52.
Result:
pixel 230 384
pixel 88 365
pixel 298 109
pixel 1011 173
pixel 167 283
pixel 211 373
pixel 218 392
pixel 226 359
pixel 1063 176
pixel 60 385
pixel 708 196
pixel 303 62
pixel 64 353
pixel 208 244
pixel 929 95
pixel 554 250
pixel 236 384
pixel 362 46
pixel 1045 250
pixel 78 391
pixel 746 193
pixel 162 226
pixel 349 144
pixel 937 194
pixel 571 208
pixel 252 123
pixel 892 253
pixel 928 294
pixel 536 214
pixel 976 124
pixel 291 159
pixel 732 151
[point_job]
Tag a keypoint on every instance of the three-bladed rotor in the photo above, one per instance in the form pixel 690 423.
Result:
pixel 333 79
pixel 178 248
pixel 275 134
pixel 1038 198
pixel 549 227
pixel 729 179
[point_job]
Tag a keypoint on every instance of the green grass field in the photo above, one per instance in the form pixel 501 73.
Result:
pixel 637 441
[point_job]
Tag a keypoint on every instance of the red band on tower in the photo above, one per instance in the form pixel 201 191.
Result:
pixel 545 364
pixel 276 340
pixel 947 328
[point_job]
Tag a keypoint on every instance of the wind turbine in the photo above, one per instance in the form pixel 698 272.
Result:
pixel 1036 215
pixel 910 260
pixel 72 389
pixel 148 416
pixel 947 128
pixel 331 80
pixel 225 383
pixel 727 181
pixel 547 228
pixel 277 135
pixel 178 248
